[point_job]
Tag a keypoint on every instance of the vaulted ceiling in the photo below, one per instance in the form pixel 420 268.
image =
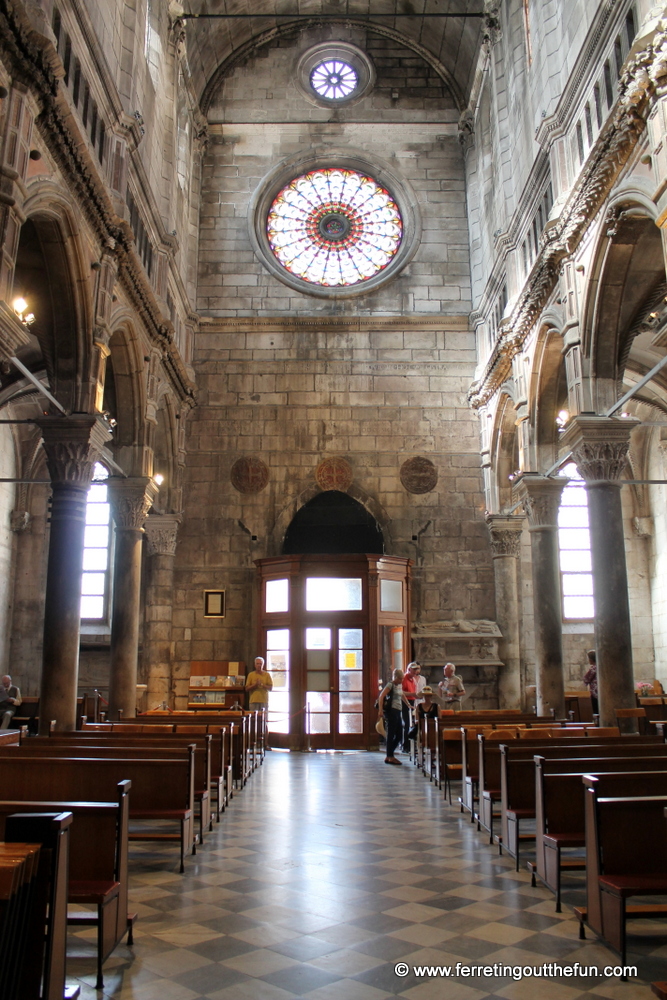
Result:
pixel 450 44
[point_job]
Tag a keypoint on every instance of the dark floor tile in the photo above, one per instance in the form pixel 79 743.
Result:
pixel 301 979
pixel 218 949
pixel 211 978
pixel 304 948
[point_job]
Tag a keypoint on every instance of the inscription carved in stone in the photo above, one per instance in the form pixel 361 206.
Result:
pixel 334 474
pixel 419 475
pixel 249 475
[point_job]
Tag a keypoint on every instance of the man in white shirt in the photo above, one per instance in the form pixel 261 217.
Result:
pixel 451 688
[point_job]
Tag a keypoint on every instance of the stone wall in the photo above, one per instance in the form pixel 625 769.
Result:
pixel 291 394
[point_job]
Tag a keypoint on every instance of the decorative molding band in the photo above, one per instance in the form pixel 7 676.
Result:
pixel 224 324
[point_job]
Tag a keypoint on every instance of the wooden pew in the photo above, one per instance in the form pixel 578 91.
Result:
pixel 154 737
pixel 98 868
pixel 517 801
pixel 559 810
pixel 163 789
pixel 614 873
pixel 238 721
pixel 135 747
pixel 41 974
pixel 517 790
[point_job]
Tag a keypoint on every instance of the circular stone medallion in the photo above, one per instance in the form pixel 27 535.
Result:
pixel 419 475
pixel 334 474
pixel 249 475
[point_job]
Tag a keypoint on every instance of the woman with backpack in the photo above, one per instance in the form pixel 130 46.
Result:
pixel 390 704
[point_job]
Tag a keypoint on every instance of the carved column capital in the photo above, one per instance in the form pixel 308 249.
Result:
pixel 130 501
pixel 492 28
pixel 599 446
pixel 541 498
pixel 505 531
pixel 161 534
pixel 13 334
pixel 73 445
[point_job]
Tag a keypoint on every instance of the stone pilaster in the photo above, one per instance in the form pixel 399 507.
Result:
pixel 130 500
pixel 505 531
pixel 72 445
pixel 541 500
pixel 599 448
pixel 161 536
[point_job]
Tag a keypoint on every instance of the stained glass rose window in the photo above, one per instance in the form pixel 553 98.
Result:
pixel 334 227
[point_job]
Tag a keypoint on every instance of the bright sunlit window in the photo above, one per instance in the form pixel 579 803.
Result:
pixel 332 594
pixel 574 543
pixel 95 577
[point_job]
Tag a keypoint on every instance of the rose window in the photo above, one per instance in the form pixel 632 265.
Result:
pixel 334 80
pixel 334 227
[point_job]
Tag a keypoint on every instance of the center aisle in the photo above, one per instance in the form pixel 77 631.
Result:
pixel 326 871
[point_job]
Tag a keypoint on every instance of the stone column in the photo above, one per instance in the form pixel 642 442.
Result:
pixel 541 500
pixel 161 534
pixel 599 448
pixel 130 501
pixel 72 445
pixel 505 531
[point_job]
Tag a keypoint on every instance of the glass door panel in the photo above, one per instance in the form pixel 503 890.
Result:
pixel 397 658
pixel 318 681
pixel 350 681
pixel 277 664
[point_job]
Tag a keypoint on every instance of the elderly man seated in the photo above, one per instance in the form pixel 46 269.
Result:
pixel 10 699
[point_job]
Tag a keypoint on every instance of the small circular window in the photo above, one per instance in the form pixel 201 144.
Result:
pixel 334 79
pixel 334 227
pixel 334 73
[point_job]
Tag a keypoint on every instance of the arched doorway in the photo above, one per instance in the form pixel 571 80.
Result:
pixel 333 523
pixel 331 627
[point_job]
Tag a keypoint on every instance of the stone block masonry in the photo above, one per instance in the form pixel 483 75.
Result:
pixel 292 392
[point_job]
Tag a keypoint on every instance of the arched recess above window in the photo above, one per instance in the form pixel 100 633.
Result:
pixel 333 523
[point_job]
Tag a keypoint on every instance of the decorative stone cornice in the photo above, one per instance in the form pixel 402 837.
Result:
pixel 505 531
pixel 130 501
pixel 599 446
pixel 73 445
pixel 541 499
pixel 161 534
pixel 492 28
pixel 644 78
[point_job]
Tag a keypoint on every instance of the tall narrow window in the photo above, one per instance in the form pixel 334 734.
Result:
pixel 574 543
pixel 95 577
pixel 580 143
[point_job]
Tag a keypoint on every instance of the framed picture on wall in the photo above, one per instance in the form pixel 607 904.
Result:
pixel 214 604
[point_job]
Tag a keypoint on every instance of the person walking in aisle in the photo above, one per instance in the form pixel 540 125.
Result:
pixel 390 704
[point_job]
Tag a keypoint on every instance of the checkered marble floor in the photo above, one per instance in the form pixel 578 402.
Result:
pixel 326 871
